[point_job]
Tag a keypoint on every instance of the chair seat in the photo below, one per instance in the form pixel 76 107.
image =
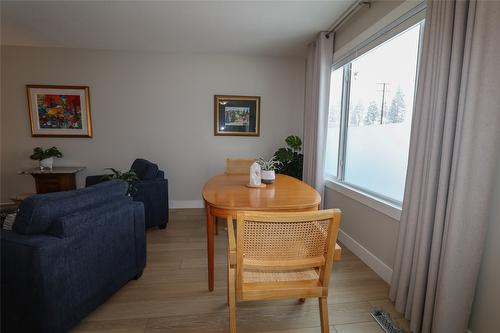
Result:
pixel 280 276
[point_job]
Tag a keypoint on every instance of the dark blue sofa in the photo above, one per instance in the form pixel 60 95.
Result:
pixel 69 252
pixel 151 190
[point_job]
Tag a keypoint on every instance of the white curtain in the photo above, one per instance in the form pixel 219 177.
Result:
pixel 454 143
pixel 319 61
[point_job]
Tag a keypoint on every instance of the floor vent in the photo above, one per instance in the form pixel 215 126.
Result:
pixel 385 321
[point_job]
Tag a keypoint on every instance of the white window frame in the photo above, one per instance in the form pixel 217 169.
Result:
pixel 381 203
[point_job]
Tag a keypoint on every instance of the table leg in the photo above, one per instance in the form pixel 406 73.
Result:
pixel 210 249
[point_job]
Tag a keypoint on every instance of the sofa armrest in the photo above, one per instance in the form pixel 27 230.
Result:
pixel 140 235
pixel 23 265
pixel 154 194
pixel 157 184
pixel 96 179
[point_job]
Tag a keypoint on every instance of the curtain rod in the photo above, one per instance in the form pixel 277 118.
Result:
pixel 353 9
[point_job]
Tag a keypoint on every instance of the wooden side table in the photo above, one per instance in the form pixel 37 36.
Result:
pixel 55 180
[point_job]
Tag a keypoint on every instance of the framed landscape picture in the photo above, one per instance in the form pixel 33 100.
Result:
pixel 236 115
pixel 62 111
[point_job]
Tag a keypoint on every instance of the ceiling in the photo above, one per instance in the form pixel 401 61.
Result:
pixel 234 27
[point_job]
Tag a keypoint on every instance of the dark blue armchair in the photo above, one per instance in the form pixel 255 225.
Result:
pixel 67 253
pixel 151 190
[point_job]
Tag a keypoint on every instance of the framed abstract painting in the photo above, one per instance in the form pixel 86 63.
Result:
pixel 60 111
pixel 237 115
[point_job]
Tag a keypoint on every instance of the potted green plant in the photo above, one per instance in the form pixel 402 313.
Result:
pixel 268 169
pixel 129 176
pixel 291 157
pixel 46 156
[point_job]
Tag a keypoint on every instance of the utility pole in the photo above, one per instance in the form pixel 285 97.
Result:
pixel 383 91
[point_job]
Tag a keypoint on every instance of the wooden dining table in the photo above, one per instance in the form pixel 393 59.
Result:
pixel 225 195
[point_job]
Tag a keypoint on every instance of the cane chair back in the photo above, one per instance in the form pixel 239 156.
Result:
pixel 281 255
pixel 279 249
pixel 238 166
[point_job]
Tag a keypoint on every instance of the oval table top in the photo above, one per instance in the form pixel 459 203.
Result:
pixel 286 193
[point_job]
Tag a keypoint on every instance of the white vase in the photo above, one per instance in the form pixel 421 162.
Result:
pixel 268 176
pixel 255 174
pixel 47 163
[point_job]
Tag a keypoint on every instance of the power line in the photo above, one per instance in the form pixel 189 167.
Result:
pixel 383 91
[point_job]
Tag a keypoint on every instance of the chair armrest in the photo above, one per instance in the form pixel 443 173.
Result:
pixel 93 180
pixel 160 174
pixel 154 194
pixel 231 241
pixel 140 234
pixel 24 261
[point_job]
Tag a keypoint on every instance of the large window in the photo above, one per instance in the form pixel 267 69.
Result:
pixel 371 105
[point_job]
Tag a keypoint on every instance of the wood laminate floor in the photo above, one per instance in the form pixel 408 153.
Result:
pixel 172 294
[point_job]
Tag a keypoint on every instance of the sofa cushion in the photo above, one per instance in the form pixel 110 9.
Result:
pixel 144 169
pixel 78 222
pixel 36 213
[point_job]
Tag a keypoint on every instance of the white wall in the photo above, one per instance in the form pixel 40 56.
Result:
pixel 370 234
pixel 152 105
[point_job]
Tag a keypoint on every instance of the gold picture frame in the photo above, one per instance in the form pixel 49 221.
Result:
pixel 236 115
pixel 59 111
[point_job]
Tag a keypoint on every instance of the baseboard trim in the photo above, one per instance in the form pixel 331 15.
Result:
pixel 382 270
pixel 186 204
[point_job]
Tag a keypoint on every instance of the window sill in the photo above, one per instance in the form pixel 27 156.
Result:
pixel 384 207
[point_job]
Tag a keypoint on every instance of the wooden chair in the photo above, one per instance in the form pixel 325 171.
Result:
pixel 238 166
pixel 282 255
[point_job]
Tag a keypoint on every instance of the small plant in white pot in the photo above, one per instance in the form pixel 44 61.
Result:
pixel 46 156
pixel 268 169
